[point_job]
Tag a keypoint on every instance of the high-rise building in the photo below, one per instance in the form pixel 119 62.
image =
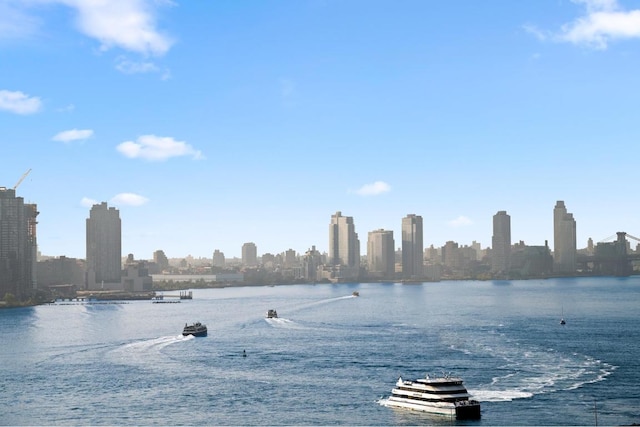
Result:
pixel 218 259
pixel 290 259
pixel 412 247
pixel 381 254
pixel 311 260
pixel 564 240
pixel 249 254
pixel 104 247
pixel 18 245
pixel 161 260
pixel 501 243
pixel 344 246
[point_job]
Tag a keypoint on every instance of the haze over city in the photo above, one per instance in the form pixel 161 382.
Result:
pixel 211 124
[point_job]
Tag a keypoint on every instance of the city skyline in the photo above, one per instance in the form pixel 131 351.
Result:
pixel 212 124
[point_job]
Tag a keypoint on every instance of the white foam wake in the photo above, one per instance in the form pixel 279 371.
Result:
pixel 527 370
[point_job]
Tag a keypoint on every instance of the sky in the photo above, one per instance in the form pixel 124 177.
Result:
pixel 209 124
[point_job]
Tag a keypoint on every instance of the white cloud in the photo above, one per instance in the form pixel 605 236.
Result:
pixel 129 25
pixel 603 22
pixel 461 221
pixel 73 135
pixel 158 148
pixel 374 189
pixel 126 24
pixel 128 199
pixel 135 67
pixel 19 103
pixel 87 202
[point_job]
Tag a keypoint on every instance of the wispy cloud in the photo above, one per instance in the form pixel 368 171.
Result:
pixel 129 25
pixel 15 23
pixel 127 66
pixel 73 135
pixel 122 199
pixel 373 189
pixel 602 22
pixel 87 202
pixel 19 103
pixel 461 221
pixel 128 199
pixel 157 148
pixel 66 108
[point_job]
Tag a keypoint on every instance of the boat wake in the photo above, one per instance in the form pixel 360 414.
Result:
pixel 526 370
pixel 279 322
pixel 128 352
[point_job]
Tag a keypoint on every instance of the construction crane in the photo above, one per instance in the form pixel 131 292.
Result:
pixel 24 175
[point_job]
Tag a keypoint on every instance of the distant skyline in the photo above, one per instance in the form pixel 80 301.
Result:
pixel 213 124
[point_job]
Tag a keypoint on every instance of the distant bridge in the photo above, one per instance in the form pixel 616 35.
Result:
pixel 610 258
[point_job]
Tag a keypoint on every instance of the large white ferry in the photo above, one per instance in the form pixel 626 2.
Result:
pixel 443 395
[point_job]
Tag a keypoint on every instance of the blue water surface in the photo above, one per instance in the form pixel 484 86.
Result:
pixel 331 358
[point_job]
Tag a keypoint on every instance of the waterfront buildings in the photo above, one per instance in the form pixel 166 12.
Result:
pixel 18 245
pixel 249 254
pixel 564 240
pixel 381 254
pixel 412 247
pixel 104 248
pixel 344 247
pixel 501 243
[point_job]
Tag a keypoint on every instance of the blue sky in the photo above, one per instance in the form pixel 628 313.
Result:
pixel 213 123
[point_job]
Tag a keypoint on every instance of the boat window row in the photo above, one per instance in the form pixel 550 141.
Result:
pixel 425 399
pixel 417 390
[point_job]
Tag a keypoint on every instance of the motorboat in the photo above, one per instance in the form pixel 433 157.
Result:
pixel 272 314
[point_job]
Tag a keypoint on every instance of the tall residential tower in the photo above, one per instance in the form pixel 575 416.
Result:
pixel 564 240
pixel 344 246
pixel 501 243
pixel 18 246
pixel 381 255
pixel 104 247
pixel 412 247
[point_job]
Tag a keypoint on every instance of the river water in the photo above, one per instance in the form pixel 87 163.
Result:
pixel 330 357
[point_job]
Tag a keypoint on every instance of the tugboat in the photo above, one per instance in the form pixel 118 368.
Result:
pixel 272 314
pixel 197 330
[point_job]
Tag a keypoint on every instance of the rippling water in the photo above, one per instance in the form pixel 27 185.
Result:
pixel 331 357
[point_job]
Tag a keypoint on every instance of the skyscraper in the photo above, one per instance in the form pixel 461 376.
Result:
pixel 564 240
pixel 412 248
pixel 250 254
pixel 18 246
pixel 381 254
pixel 501 243
pixel 104 246
pixel 218 259
pixel 344 246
